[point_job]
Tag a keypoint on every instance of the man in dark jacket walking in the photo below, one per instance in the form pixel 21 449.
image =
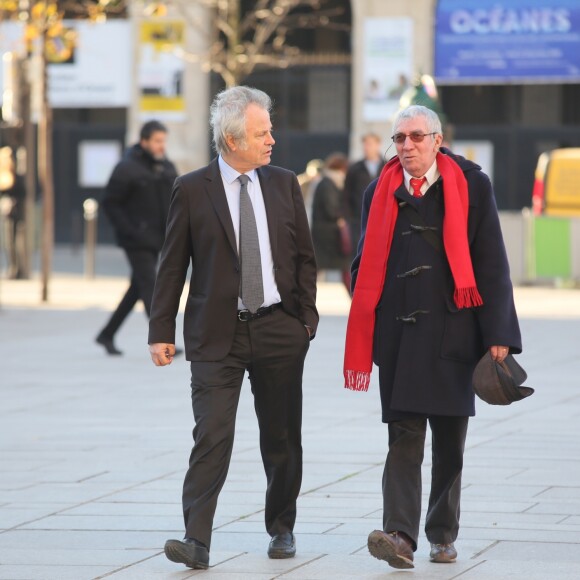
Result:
pixel 444 298
pixel 137 202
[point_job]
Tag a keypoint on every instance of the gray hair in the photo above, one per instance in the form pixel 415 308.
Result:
pixel 228 114
pixel 414 111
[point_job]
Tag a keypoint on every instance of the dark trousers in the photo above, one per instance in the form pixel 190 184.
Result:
pixel 402 477
pixel 272 349
pixel 143 271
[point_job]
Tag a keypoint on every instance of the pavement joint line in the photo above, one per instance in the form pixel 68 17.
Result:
pixel 481 552
pixel 548 488
pixel 330 483
pixel 300 566
pixel 127 566
pixel 334 528
pixel 531 507
pixel 523 529
pixel 19 488
pixel 100 530
pixel 363 547
pixel 468 570
pixel 528 541
pixel 507 419
pixel 158 455
pixel 239 519
pixel 141 502
pixel 235 557
pixel 523 470
pixel 92 476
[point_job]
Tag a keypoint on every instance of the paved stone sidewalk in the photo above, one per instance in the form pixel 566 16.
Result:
pixel 93 450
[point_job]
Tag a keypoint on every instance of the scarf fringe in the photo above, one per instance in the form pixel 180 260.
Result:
pixel 357 380
pixel 467 297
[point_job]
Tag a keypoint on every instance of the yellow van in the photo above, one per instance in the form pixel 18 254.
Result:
pixel 557 183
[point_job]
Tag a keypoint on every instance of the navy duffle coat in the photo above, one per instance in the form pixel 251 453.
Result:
pixel 426 349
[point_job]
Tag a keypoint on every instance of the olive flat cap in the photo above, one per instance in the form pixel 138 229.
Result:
pixel 500 383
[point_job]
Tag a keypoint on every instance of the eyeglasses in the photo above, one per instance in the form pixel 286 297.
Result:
pixel 416 137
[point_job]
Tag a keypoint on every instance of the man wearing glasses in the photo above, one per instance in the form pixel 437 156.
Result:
pixel 432 293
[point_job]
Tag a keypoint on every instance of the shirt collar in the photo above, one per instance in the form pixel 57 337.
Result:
pixel 230 174
pixel 432 175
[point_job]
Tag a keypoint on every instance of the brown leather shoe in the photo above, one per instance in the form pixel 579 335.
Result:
pixel 393 547
pixel 443 553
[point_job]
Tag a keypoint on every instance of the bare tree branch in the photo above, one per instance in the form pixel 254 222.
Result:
pixel 259 37
pixel 192 22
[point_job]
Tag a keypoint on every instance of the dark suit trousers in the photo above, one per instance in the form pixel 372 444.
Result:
pixel 402 477
pixel 272 349
pixel 143 271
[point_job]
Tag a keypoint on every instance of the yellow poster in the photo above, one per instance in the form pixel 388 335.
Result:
pixel 161 70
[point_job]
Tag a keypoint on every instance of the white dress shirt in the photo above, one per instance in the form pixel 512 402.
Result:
pixel 232 187
pixel 372 167
pixel 431 176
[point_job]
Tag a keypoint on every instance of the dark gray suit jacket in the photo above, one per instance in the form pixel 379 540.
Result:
pixel 200 232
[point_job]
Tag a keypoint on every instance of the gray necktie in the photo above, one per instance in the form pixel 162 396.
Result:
pixel 252 287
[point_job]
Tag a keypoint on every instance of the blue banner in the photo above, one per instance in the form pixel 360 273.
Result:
pixel 498 41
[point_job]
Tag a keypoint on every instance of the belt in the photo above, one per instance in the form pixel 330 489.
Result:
pixel 246 315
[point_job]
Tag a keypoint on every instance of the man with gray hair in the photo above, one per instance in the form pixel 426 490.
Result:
pixel 242 226
pixel 431 294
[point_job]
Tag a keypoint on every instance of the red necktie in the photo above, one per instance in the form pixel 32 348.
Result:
pixel 416 184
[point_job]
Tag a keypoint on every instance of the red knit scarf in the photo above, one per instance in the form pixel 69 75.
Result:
pixel 373 265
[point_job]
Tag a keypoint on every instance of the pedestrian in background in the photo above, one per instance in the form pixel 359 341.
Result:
pixel 136 202
pixel 308 182
pixel 12 194
pixel 251 307
pixel 443 300
pixel 330 231
pixel 358 177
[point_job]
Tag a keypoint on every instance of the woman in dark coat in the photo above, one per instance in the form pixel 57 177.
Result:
pixel 328 219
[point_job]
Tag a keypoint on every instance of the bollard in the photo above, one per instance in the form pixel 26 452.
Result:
pixel 90 212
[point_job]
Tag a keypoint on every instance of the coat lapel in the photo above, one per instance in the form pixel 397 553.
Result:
pixel 271 203
pixel 217 195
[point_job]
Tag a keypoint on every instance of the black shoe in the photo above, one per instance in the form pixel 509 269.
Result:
pixel 189 552
pixel 108 344
pixel 282 546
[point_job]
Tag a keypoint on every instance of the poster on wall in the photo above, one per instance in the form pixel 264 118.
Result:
pixel 90 65
pixel 495 41
pixel 160 78
pixel 97 159
pixel 388 65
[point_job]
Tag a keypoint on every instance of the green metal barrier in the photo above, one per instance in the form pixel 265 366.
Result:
pixel 549 247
